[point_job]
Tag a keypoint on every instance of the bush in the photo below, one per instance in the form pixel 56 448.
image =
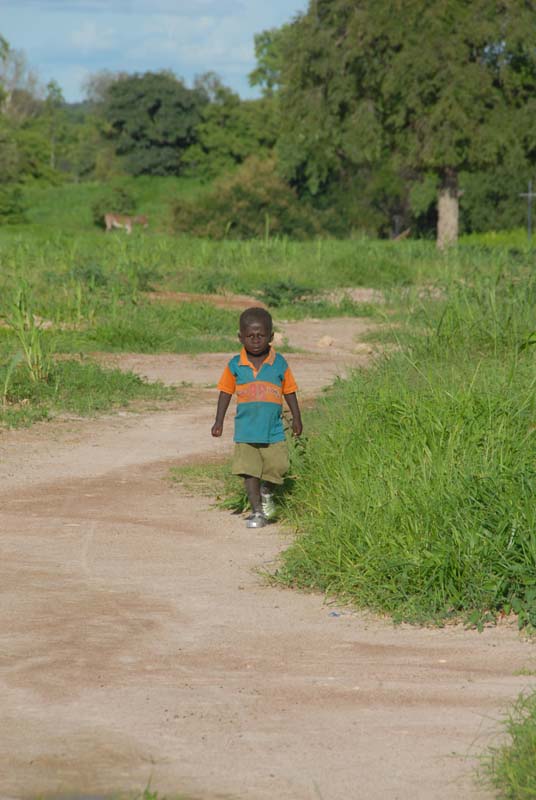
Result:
pixel 114 198
pixel 511 768
pixel 253 202
pixel 12 204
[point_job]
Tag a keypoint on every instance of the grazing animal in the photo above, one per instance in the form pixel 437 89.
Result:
pixel 122 221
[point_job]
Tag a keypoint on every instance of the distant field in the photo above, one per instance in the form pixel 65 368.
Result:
pixel 90 291
pixel 68 207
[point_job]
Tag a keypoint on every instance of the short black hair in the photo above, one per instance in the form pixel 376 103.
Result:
pixel 256 314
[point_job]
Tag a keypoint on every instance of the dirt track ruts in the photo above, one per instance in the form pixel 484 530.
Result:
pixel 138 641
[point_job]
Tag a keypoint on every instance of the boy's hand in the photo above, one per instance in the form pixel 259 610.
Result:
pixel 297 426
pixel 217 429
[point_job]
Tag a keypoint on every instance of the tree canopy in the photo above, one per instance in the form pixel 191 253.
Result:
pixel 436 87
pixel 230 130
pixel 153 119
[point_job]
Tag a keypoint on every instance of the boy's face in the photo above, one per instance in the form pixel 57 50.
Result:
pixel 256 338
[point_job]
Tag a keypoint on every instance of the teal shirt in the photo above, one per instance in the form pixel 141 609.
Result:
pixel 259 395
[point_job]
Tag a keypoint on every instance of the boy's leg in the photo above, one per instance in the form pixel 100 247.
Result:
pixel 253 489
pixel 247 462
pixel 275 464
pixel 267 499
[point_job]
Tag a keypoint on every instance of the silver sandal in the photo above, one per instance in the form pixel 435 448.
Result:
pixel 256 520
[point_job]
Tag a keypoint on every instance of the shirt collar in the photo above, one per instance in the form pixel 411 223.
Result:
pixel 245 362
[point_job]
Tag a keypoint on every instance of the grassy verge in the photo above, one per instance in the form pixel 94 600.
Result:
pixel 511 769
pixel 415 495
pixel 212 480
pixel 76 387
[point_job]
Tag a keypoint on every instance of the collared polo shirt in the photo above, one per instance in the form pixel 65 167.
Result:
pixel 259 395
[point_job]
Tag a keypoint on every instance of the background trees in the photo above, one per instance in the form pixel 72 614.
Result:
pixel 435 88
pixel 380 112
pixel 152 119
pixel 230 129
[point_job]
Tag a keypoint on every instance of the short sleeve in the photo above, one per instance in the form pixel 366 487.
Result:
pixel 227 382
pixel 289 384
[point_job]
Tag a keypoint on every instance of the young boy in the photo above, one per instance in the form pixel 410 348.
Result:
pixel 261 378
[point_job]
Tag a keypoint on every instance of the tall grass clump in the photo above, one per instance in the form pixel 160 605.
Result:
pixel 75 386
pixel 511 768
pixel 416 495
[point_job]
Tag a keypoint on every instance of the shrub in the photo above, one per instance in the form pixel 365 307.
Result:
pixel 252 202
pixel 12 204
pixel 116 198
pixel 511 767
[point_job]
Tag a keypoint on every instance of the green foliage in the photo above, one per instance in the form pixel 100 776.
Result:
pixel 416 492
pixel 269 54
pixel 36 355
pixel 283 292
pixel 34 153
pixel 511 768
pixel 152 328
pixel 231 130
pixel 13 206
pixel 491 200
pixel 80 387
pixel 153 119
pixel 115 198
pixel 253 202
pixel 440 89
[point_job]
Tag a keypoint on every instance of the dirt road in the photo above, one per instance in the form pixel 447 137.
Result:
pixel 139 643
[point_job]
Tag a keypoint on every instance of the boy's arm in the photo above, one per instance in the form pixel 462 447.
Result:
pixel 223 404
pixel 292 402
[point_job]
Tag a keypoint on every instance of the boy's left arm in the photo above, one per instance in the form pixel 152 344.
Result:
pixel 292 402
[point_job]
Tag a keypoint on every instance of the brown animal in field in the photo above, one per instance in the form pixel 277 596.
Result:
pixel 404 235
pixel 112 221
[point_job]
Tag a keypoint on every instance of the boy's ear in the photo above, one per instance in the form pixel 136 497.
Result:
pixel 272 336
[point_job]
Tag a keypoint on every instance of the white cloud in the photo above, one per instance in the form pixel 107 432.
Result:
pixel 91 37
pixel 70 38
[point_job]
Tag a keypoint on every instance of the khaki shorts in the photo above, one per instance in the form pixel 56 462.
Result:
pixel 266 461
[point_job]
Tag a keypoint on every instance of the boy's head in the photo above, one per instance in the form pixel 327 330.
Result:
pixel 256 330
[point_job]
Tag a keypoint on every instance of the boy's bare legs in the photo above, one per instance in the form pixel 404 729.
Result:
pixel 253 489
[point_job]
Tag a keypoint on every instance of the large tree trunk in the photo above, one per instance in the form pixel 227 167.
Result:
pixel 448 209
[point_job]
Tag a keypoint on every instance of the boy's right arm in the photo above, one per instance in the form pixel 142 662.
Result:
pixel 223 404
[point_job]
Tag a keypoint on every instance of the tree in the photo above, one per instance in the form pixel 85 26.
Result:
pixel 53 106
pixel 96 86
pixel 231 129
pixel 439 87
pixel 269 53
pixel 21 91
pixel 153 119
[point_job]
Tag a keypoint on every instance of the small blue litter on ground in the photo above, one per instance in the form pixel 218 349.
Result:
pixel 334 614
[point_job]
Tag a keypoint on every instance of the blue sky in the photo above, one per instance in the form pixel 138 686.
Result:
pixel 70 39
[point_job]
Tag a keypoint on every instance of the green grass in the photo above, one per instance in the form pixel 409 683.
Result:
pixel 68 207
pixel 515 239
pixel 212 480
pixel 511 768
pixel 76 387
pixel 416 493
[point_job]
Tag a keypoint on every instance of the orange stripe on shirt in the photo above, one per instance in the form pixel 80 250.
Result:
pixel 259 392
pixel 227 382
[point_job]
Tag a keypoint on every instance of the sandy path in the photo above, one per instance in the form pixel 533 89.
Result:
pixel 138 643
